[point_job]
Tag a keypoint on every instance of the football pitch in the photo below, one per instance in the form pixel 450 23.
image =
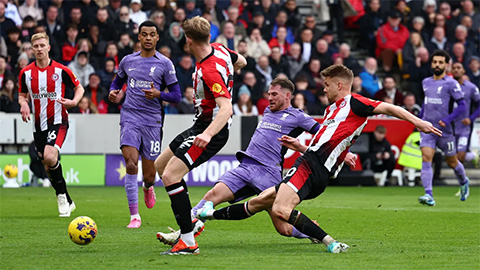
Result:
pixel 386 228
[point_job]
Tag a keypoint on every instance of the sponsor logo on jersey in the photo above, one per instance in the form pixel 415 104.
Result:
pixel 329 122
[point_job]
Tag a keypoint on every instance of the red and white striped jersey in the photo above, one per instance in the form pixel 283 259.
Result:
pixel 343 122
pixel 45 86
pixel 213 78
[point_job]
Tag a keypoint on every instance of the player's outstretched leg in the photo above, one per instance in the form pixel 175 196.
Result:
pixel 427 178
pixel 131 188
pixel 172 237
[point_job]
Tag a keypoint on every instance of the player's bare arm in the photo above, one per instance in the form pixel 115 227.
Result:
pixel 24 108
pixel 224 113
pixel 70 103
pixel 292 143
pixel 241 62
pixel 389 109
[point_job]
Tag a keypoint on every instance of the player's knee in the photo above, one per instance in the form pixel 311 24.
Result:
pixel 158 167
pixel 132 167
pixel 210 195
pixel 50 159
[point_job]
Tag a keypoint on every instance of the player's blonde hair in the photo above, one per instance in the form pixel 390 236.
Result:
pixel 40 36
pixel 197 29
pixel 338 71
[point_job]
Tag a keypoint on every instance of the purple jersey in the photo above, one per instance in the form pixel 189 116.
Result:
pixel 438 97
pixel 139 73
pixel 264 146
pixel 471 95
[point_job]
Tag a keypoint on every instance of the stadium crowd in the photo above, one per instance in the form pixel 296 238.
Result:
pixel 390 59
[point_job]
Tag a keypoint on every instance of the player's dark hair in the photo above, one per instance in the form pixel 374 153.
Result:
pixel 284 83
pixel 148 24
pixel 441 53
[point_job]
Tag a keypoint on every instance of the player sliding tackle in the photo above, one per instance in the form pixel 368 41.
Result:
pixel 343 122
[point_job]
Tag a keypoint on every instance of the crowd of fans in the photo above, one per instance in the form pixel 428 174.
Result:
pixel 396 38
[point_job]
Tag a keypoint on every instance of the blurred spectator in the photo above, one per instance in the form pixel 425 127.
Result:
pixel 9 96
pixel 11 12
pixel 107 73
pixel 216 12
pixel 312 73
pixel 175 39
pixel 293 14
pixel 244 105
pixel 256 45
pixel 165 7
pixel 441 21
pixel 240 25
pixel 409 51
pixel 30 8
pixel 69 48
pixel 186 105
pixel 159 19
pixel 255 88
pixel 179 15
pixel 190 9
pixel 391 38
pixel 243 50
pixel 472 34
pixel 306 40
pixel 410 104
pixel 125 45
pixel 370 80
pixel 278 62
pixel 214 30
pixel 461 36
pixel 439 41
pixel 418 25
pixel 113 9
pixel 263 103
pixel 53 26
pixel 4 72
pixel 473 72
pixel 269 10
pixel 86 46
pixel 368 26
pixel 124 23
pixel 13 44
pixel 389 90
pixel 112 52
pixel 105 25
pixel 137 15
pixel 96 92
pixel 380 156
pixel 5 23
pixel 469 10
pixel 165 50
pixel 85 106
pixel 28 25
pixel 280 40
pixel 89 10
pixel 428 14
pixel 327 35
pixel 98 46
pixel 295 60
pixel 357 87
pixel 26 47
pixel 459 54
pixel 263 74
pixel 336 18
pixel 451 21
pixel 184 71
pixel 258 21
pixel 320 105
pixel 321 52
pixel 62 10
pixel 300 102
pixel 22 61
pixel 311 23
pixel 81 68
pixel 348 60
pixel 169 108
pixel 419 71
pixel 405 12
pixel 281 21
pixel 76 18
pixel 228 37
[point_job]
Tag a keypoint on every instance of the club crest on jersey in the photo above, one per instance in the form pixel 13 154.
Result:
pixel 217 88
pixel 152 70
pixel 439 90
pixel 343 104
pixel 55 77
pixel 284 116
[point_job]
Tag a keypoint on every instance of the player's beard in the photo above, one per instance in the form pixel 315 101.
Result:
pixel 438 71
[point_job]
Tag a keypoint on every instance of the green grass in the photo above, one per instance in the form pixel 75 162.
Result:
pixel 385 227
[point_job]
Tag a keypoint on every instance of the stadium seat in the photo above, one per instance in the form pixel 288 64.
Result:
pixel 381 177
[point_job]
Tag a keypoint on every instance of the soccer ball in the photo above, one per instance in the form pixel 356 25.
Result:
pixel 10 171
pixel 82 230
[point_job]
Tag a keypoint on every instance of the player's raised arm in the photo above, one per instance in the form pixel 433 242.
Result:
pixel 399 112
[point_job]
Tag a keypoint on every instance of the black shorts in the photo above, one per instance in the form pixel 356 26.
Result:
pixel 192 155
pixel 307 177
pixel 55 136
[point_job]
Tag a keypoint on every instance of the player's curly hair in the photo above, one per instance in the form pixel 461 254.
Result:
pixel 441 53
pixel 197 29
